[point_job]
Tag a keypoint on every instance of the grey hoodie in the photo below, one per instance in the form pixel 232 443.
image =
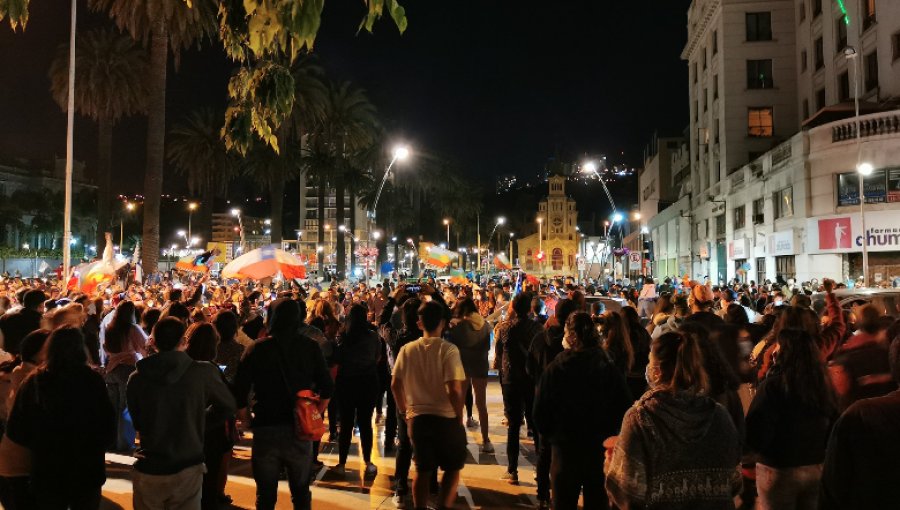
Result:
pixel 168 397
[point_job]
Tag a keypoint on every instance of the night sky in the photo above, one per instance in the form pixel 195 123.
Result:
pixel 493 88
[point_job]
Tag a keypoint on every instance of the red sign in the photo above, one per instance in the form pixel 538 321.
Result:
pixel 835 233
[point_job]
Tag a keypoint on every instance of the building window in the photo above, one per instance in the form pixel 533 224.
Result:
pixel 760 269
pixel 805 109
pixel 760 122
pixel 720 225
pixel 759 26
pixel 820 53
pixel 895 45
pixel 716 131
pixel 844 86
pixel 715 87
pixel 820 99
pixel 840 34
pixel 705 101
pixel 804 58
pixel 758 206
pixel 801 12
pixel 759 74
pixel 871 71
pixel 740 217
pixel 557 259
pixel 783 202
pixel 694 71
pixel 703 58
pixel 696 110
pixel 715 42
pixel 816 7
pixel 868 13
pixel 784 267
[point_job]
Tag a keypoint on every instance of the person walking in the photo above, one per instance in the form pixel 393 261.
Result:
pixel 274 369
pixel 788 424
pixel 168 397
pixel 15 325
pixel 580 401
pixel 428 388
pixel 677 449
pixel 64 417
pixel 357 386
pixel 511 356
pixel 471 334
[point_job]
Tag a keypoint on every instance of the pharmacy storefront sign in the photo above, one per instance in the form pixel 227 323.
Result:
pixel 843 233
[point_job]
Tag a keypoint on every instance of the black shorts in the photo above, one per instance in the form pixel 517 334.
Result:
pixel 438 442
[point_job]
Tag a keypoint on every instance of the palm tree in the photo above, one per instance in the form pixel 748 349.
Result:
pixel 271 171
pixel 197 151
pixel 110 83
pixel 348 125
pixel 165 25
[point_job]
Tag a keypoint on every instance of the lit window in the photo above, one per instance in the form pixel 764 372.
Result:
pixel 760 122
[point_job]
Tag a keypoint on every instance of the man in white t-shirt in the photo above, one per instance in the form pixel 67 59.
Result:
pixel 427 385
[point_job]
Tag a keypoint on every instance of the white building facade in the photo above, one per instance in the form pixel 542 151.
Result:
pixel 790 210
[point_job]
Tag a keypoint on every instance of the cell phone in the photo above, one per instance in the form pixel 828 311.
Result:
pixel 413 289
pixel 222 367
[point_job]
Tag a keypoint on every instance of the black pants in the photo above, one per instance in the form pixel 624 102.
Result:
pixel 542 469
pixel 390 418
pixel 404 455
pixel 357 396
pixel 576 468
pixel 470 400
pixel 518 400
pixel 82 499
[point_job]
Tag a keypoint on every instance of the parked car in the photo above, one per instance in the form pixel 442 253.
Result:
pixel 886 300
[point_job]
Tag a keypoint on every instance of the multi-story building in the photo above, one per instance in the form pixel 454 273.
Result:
pixel 309 219
pixel 791 211
pixel 557 236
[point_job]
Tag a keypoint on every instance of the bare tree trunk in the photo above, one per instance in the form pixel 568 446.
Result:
pixel 156 138
pixel 104 171
pixel 353 232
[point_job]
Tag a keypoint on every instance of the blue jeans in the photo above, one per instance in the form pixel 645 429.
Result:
pixel 276 447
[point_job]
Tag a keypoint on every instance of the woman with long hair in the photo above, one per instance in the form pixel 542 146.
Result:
pixel 202 342
pixel 125 343
pixel 640 345
pixel 63 415
pixel 665 308
pixel 788 424
pixel 677 449
pixel 229 352
pixel 617 341
pixel 579 402
pixel 472 336
pixel 357 385
pixel 324 318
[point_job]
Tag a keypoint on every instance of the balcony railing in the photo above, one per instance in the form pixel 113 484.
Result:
pixel 871 125
pixel 781 153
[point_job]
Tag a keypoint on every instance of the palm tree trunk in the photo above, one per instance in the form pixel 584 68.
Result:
pixel 104 165
pixel 320 214
pixel 208 202
pixel 353 232
pixel 277 198
pixel 341 250
pixel 156 137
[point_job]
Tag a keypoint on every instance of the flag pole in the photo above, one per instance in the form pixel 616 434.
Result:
pixel 70 148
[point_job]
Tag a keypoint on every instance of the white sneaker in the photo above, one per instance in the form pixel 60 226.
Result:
pixel 471 423
pixel 400 501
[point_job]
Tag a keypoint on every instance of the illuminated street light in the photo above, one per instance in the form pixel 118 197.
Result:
pixel 400 153
pixel 617 217
pixel 864 169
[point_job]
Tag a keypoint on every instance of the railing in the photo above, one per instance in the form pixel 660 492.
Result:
pixel 737 178
pixel 872 125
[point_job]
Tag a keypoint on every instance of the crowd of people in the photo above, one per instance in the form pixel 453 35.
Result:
pixel 667 394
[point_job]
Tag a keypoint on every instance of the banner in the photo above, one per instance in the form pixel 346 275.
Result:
pixel 219 251
pixel 843 233
pixel 634 261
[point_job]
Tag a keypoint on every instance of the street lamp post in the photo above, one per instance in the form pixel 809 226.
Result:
pixel 644 231
pixel 540 221
pixel 500 221
pixel 512 258
pixel 237 213
pixel 400 153
pixel 192 206
pixel 864 169
pixel 447 224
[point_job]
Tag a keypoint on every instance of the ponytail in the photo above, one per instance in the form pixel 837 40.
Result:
pixel 680 362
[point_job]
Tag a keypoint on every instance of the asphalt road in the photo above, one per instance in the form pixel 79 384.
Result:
pixel 480 486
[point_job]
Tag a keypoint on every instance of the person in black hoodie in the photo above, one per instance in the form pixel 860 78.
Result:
pixel 788 424
pixel 14 326
pixel 357 385
pixel 63 415
pixel 580 401
pixel 168 396
pixel 511 357
pixel 542 355
pixel 275 368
